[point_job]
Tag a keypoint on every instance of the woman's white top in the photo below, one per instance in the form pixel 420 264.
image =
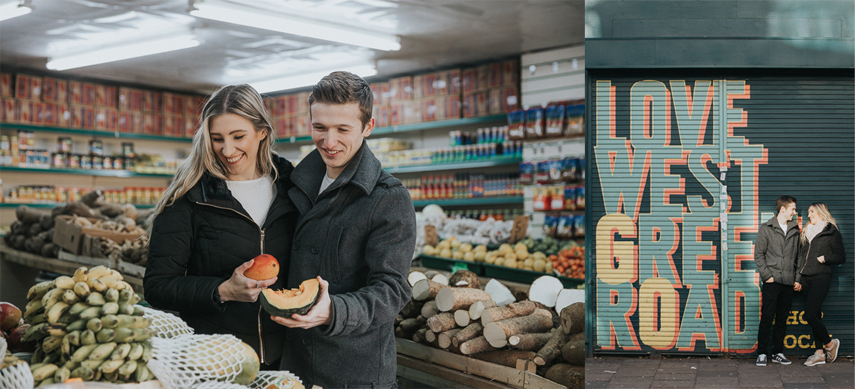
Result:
pixel 255 196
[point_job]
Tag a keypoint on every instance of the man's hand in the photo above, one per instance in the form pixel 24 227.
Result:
pixel 317 316
pixel 821 258
pixel 797 287
pixel 240 288
pixel 770 280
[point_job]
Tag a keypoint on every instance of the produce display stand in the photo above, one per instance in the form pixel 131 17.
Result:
pixel 444 369
pixel 500 273
pixel 19 268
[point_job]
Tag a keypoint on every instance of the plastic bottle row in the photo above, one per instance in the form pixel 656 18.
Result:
pixel 462 186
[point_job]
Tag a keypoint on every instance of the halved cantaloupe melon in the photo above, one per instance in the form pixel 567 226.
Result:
pixel 286 302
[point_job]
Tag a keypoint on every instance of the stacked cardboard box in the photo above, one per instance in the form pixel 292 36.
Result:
pixel 48 101
pixel 437 96
pixel 491 89
pixel 290 114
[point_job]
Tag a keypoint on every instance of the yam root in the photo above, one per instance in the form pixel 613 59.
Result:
pixel 477 308
pixel 471 331
pixel 426 290
pixel 529 342
pixel 451 298
pixel 410 325
pixel 573 318
pixel 574 352
pixel 461 317
pixel 412 309
pixel 441 322
pixel 47 221
pixel 505 357
pixel 400 333
pixel 498 332
pixel 471 280
pixel 419 336
pixel 570 376
pixel 398 320
pixel 50 250
pixel 552 348
pixel 430 337
pixel 521 308
pixel 33 230
pixel 476 345
pixel 429 309
pixel 91 198
pixel 443 339
pixel 414 277
pixel 29 215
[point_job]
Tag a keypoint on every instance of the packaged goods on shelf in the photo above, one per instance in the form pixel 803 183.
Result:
pixel 400 88
pixel 55 90
pixel 575 117
pixel 384 145
pixel 28 87
pixel 476 104
pixel 6 90
pixel 564 226
pixel 475 79
pixel 380 90
pixel 105 96
pixel 81 93
pixel 463 186
pixel 569 169
pixel 130 99
pixel 503 100
pixel 559 198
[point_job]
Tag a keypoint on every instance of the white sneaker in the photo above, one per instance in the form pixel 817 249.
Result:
pixel 815 359
pixel 831 352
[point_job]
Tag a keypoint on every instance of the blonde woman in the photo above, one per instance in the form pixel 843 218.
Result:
pixel 821 248
pixel 227 204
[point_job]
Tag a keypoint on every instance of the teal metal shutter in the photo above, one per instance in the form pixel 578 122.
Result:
pixel 682 171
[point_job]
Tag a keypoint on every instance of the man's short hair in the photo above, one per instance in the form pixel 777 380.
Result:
pixel 783 202
pixel 344 88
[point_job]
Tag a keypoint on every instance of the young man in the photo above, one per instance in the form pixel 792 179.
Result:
pixel 775 253
pixel 356 234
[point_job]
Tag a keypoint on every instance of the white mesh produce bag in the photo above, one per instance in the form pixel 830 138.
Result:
pixel 166 325
pixel 17 376
pixel 265 378
pixel 219 385
pixel 186 361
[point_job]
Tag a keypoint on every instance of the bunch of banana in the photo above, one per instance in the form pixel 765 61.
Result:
pixel 9 360
pixel 88 327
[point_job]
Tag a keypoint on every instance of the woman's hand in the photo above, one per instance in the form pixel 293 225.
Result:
pixel 821 258
pixel 797 287
pixel 240 288
pixel 317 316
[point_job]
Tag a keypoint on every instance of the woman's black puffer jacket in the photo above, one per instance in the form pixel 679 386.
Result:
pixel 829 242
pixel 197 243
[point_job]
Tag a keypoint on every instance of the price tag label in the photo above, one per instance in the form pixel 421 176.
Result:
pixel 430 236
pixel 519 229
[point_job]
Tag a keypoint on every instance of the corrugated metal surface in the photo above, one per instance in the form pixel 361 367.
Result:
pixel 682 171
pixel 553 75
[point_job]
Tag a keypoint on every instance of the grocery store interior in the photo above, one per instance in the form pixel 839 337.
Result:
pixel 479 110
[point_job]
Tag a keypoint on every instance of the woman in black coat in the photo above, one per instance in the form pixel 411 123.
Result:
pixel 227 204
pixel 821 248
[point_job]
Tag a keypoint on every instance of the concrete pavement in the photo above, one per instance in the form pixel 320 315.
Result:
pixel 700 372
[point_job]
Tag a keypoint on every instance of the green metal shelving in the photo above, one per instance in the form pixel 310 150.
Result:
pixel 470 202
pixel 74 131
pixel 91 172
pixel 51 205
pixel 412 127
pixel 455 165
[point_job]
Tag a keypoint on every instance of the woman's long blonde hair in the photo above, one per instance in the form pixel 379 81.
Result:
pixel 242 100
pixel 822 210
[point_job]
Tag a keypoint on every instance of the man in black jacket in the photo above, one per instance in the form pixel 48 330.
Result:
pixel 775 254
pixel 356 234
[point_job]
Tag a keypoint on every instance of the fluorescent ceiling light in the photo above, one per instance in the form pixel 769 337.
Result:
pixel 13 10
pixel 307 79
pixel 274 21
pixel 118 53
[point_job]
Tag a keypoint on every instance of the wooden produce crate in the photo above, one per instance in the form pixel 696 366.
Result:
pixel 519 377
pixel 446 264
pixel 525 276
pixel 86 260
pixel 130 269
